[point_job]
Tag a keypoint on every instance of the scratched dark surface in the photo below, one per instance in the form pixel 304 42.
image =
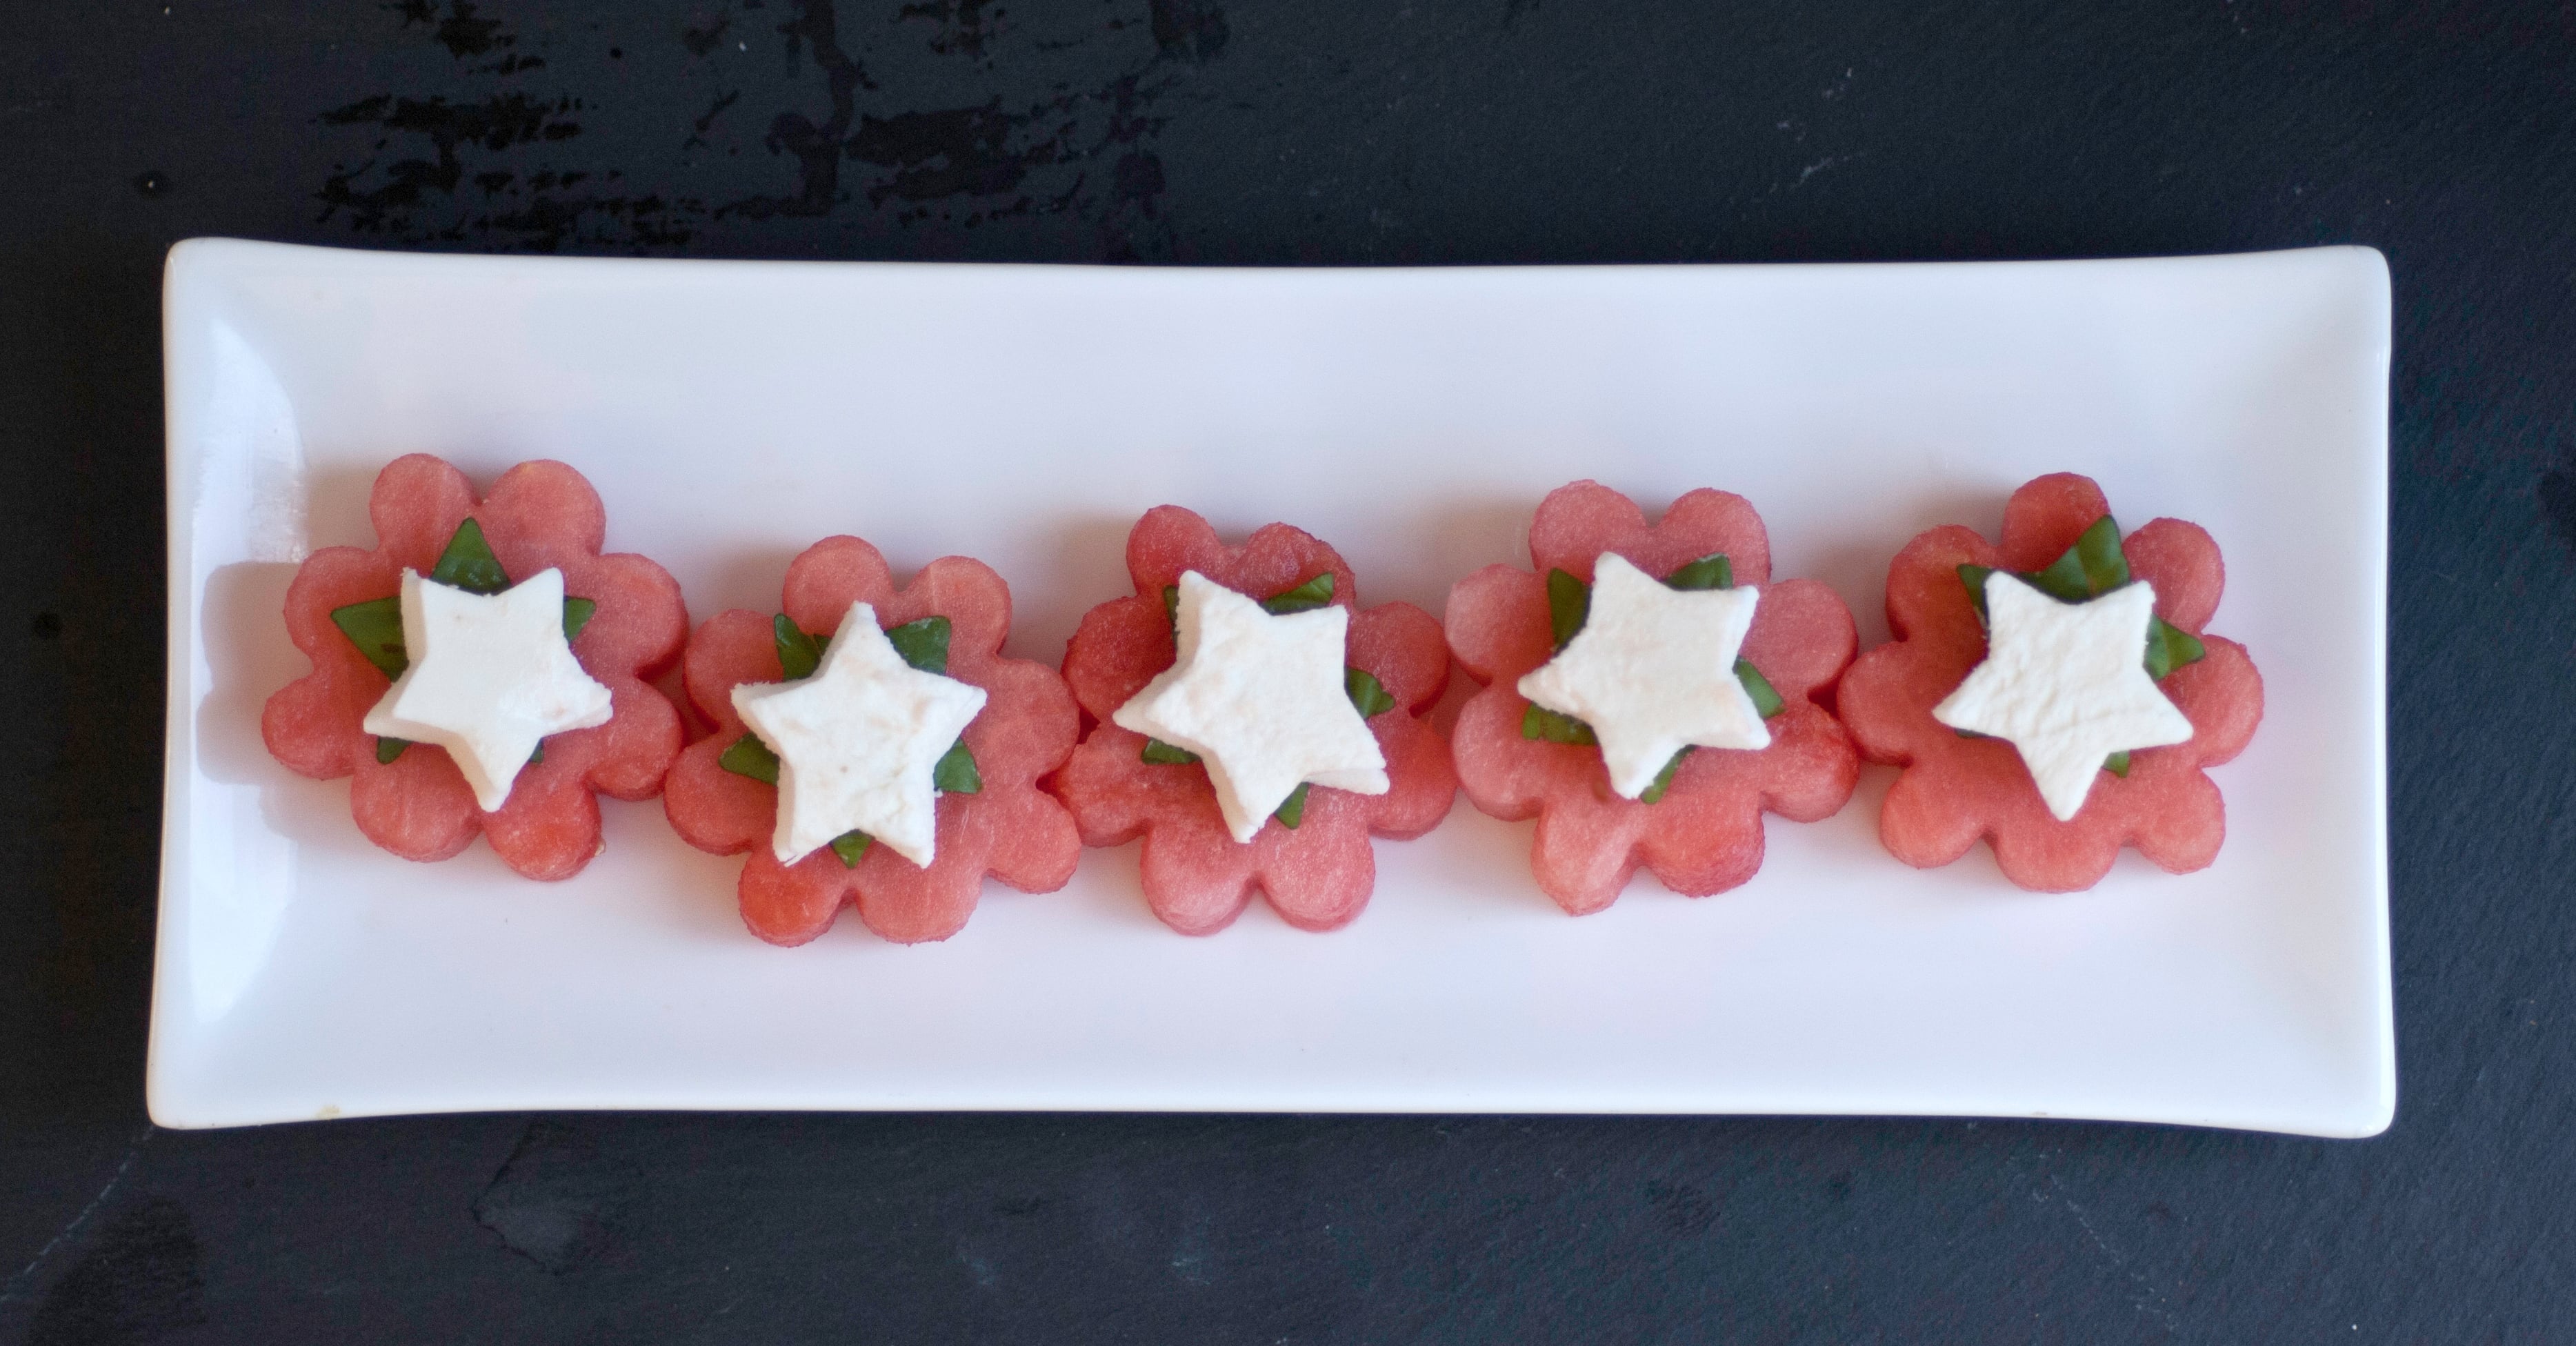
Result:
pixel 1336 132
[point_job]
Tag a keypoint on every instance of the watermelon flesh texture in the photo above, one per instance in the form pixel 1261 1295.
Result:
pixel 538 515
pixel 1705 835
pixel 1010 830
pixel 1197 878
pixel 1956 790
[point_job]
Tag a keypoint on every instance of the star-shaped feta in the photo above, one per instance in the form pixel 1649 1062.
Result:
pixel 1261 699
pixel 490 676
pixel 1653 670
pixel 857 743
pixel 2067 684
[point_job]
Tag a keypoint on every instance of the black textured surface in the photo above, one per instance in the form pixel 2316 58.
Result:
pixel 1321 131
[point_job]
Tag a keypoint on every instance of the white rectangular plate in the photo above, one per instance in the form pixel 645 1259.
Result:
pixel 731 413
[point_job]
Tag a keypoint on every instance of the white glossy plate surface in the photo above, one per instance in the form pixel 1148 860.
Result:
pixel 731 413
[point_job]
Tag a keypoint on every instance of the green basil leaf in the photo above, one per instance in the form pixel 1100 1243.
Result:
pixel 956 773
pixel 1766 702
pixel 2170 647
pixel 1292 810
pixel 1654 794
pixel 387 749
pixel 538 754
pixel 577 614
pixel 798 655
pixel 375 627
pixel 1314 593
pixel 2097 550
pixel 2063 580
pixel 1539 722
pixel 1160 753
pixel 2094 566
pixel 1712 571
pixel 923 644
pixel 468 563
pixel 1975 578
pixel 1569 601
pixel 2117 764
pixel 1172 606
pixel 750 757
pixel 850 846
pixel 1367 693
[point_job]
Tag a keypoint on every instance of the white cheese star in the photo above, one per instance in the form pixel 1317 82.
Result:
pixel 2067 684
pixel 1261 700
pixel 1653 669
pixel 490 675
pixel 857 743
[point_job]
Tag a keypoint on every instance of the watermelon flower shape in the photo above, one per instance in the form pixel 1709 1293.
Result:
pixel 623 617
pixel 992 819
pixel 2060 539
pixel 1312 856
pixel 1698 827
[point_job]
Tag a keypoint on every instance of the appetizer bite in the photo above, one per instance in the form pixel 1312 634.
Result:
pixel 482 669
pixel 1649 693
pixel 2057 694
pixel 873 746
pixel 1255 725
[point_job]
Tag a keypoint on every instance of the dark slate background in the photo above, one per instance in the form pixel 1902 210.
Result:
pixel 1299 132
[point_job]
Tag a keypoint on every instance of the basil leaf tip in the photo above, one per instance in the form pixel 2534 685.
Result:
pixel 956 774
pixel 387 749
pixel 1292 810
pixel 2170 647
pixel 1569 601
pixel 1314 593
pixel 2097 552
pixel 1974 576
pixel 1654 793
pixel 1367 694
pixel 1712 571
pixel 923 643
pixel 375 627
pixel 798 654
pixel 1766 701
pixel 1159 753
pixel 468 562
pixel 850 846
pixel 1538 722
pixel 748 756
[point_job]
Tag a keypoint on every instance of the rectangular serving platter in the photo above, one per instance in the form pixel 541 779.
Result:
pixel 730 413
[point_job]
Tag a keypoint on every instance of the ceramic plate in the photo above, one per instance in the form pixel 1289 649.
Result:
pixel 731 413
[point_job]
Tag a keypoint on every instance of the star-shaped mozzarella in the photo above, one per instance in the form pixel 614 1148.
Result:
pixel 2067 683
pixel 1653 669
pixel 1261 700
pixel 857 743
pixel 490 676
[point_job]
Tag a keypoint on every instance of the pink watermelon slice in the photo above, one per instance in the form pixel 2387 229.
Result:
pixel 539 514
pixel 1010 829
pixel 1956 790
pixel 1705 835
pixel 1197 877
